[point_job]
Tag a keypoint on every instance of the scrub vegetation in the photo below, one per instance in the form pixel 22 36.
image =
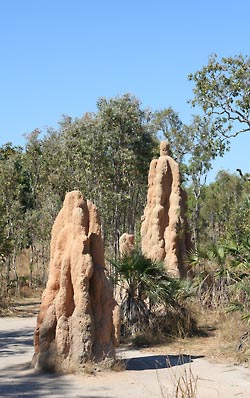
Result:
pixel 106 156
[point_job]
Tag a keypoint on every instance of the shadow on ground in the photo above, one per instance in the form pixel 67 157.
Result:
pixel 21 381
pixel 158 361
pixel 15 342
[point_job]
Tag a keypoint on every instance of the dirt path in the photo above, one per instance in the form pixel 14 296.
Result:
pixel 148 374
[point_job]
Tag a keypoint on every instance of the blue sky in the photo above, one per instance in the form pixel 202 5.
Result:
pixel 58 57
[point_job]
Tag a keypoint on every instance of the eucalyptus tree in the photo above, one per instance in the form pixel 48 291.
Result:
pixel 27 209
pixel 39 201
pixel 205 146
pixel 169 126
pixel 82 153
pixel 106 155
pixel 222 90
pixel 128 143
pixel 225 213
pixel 13 200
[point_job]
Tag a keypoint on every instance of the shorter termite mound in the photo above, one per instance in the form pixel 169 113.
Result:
pixel 75 322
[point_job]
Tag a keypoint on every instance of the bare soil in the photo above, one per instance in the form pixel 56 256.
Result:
pixel 149 372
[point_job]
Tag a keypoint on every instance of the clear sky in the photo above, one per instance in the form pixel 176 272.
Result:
pixel 59 56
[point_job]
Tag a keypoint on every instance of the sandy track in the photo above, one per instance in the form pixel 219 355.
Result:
pixel 140 380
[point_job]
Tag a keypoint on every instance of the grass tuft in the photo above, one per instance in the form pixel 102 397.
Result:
pixel 183 383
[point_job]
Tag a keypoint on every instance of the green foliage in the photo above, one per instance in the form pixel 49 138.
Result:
pixel 229 219
pixel 146 278
pixel 127 144
pixel 223 276
pixel 193 146
pixel 106 155
pixel 222 90
pixel 170 127
pixel 150 298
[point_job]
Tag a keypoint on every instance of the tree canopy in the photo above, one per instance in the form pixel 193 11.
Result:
pixel 106 155
pixel 222 90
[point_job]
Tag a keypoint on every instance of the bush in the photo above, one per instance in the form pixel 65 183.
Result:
pixel 151 301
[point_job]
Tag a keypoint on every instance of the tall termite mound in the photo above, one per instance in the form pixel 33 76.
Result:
pixel 75 323
pixel 164 234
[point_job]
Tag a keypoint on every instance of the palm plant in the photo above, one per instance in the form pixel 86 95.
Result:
pixel 240 265
pixel 224 277
pixel 146 291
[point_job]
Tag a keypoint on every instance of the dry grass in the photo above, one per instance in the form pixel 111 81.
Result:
pixel 227 337
pixel 234 339
pixel 118 365
pixel 224 338
pixel 221 337
pixel 149 338
pixel 90 368
pixel 6 308
pixel 108 364
pixel 183 383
